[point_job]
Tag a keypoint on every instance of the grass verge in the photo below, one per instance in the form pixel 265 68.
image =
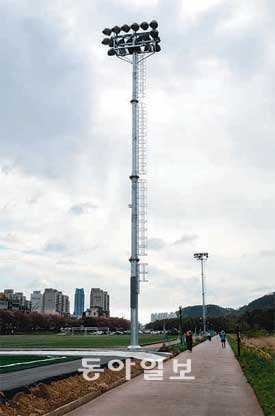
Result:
pixel 258 367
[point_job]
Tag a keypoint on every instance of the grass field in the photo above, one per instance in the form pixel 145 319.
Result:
pixel 76 341
pixel 15 363
pixel 258 366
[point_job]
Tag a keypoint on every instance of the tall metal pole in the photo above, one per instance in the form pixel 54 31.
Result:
pixel 134 44
pixel 203 297
pixel 134 259
pixel 180 324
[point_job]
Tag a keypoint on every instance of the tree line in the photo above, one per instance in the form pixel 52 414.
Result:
pixel 250 320
pixel 12 322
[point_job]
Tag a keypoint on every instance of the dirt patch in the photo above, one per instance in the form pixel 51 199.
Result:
pixel 44 398
pixel 267 342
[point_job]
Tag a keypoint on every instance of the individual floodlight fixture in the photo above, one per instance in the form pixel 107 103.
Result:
pixel 154 24
pixel 116 30
pixel 106 41
pixel 107 31
pixel 125 28
pixel 111 52
pixel 154 33
pixel 202 257
pixel 144 25
pixel 135 27
pixel 134 43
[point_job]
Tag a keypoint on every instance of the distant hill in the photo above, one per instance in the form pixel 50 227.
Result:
pixel 264 302
pixel 212 310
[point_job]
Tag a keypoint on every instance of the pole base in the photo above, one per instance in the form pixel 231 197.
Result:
pixel 134 347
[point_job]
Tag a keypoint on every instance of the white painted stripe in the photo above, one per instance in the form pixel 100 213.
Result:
pixel 31 362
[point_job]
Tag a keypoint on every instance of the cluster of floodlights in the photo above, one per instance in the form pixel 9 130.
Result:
pixel 201 256
pixel 126 40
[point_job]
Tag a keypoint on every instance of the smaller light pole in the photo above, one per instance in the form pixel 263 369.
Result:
pixel 202 257
pixel 180 324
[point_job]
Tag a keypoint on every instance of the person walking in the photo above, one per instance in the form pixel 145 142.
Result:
pixel 189 340
pixel 223 338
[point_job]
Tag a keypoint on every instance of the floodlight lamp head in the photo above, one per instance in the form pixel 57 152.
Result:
pixel 125 28
pixel 136 42
pixel 106 41
pixel 157 48
pixel 144 25
pixel 135 27
pixel 201 256
pixel 111 52
pixel 116 30
pixel 107 31
pixel 154 24
pixel 154 33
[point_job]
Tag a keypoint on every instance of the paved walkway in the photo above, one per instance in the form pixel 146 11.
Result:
pixel 219 389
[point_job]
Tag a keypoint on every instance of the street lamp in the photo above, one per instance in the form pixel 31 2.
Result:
pixel 133 44
pixel 202 257
pixel 180 325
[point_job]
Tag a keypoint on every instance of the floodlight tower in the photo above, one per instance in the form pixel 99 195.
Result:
pixel 134 44
pixel 202 257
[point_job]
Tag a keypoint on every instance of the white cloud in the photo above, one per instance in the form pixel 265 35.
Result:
pixel 194 10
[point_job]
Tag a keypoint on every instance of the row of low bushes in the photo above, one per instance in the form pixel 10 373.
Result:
pixel 258 366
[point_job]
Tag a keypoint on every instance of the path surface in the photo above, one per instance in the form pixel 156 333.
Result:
pixel 22 378
pixel 219 389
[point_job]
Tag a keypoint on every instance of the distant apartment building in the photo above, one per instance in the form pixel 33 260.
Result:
pixel 36 301
pixel 4 303
pixel 65 305
pixel 54 302
pixel 15 301
pixel 99 302
pixel 79 298
pixel 159 316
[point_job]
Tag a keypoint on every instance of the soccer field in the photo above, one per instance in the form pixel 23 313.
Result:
pixel 76 341
pixel 15 363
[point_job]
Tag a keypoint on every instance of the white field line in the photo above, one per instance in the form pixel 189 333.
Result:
pixel 31 362
pixel 140 355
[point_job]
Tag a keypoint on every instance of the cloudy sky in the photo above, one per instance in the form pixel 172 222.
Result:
pixel 65 150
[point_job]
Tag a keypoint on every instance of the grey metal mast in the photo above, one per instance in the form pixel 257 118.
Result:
pixel 137 43
pixel 134 259
pixel 202 257
pixel 203 298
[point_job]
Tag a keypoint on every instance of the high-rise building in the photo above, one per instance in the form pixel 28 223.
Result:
pixel 36 301
pixel 15 301
pixel 79 298
pixel 65 306
pixel 100 299
pixel 50 301
pixel 54 302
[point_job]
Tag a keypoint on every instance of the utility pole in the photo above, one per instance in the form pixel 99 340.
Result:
pixel 180 324
pixel 134 44
pixel 202 257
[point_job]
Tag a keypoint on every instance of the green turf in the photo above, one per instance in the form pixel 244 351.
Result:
pixel 59 341
pixel 15 363
pixel 76 341
pixel 258 367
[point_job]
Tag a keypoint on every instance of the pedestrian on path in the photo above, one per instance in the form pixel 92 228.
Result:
pixel 223 338
pixel 189 340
